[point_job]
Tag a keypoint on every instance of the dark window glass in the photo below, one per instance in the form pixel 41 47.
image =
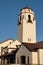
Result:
pixel 19 22
pixel 29 17
pixel 28 60
pixel 23 60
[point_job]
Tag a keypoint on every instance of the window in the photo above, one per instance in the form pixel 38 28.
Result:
pixel 20 18
pixel 28 60
pixel 29 19
pixel 19 22
pixel 29 39
pixel 23 59
pixel 12 60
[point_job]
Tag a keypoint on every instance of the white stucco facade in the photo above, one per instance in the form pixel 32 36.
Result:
pixel 34 57
pixel 13 45
pixel 5 43
pixel 20 50
pixel 40 56
pixel 27 30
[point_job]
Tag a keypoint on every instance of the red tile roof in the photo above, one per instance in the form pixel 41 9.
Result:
pixel 30 46
pixel 33 46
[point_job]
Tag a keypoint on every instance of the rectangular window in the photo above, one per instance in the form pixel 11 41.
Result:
pixel 28 60
pixel 29 17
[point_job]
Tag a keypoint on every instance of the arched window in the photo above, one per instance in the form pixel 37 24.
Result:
pixel 29 19
pixel 19 20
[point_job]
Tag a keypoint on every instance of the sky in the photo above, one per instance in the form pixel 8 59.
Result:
pixel 9 11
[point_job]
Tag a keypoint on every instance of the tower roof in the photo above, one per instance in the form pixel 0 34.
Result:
pixel 26 7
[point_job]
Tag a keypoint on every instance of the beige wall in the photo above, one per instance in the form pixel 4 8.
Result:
pixel 34 58
pixel 10 46
pixel 13 45
pixel 40 56
pixel 29 32
pixel 5 43
pixel 20 32
pixel 26 30
pixel 23 51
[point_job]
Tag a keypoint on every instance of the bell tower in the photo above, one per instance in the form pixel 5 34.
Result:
pixel 26 26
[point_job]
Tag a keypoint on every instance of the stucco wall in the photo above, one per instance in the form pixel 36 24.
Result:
pixel 23 51
pixel 27 30
pixel 5 43
pixel 40 56
pixel 20 31
pixel 13 45
pixel 34 58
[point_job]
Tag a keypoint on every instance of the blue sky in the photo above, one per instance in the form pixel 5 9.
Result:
pixel 9 10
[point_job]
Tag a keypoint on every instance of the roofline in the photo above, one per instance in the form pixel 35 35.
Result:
pixel 34 42
pixel 29 49
pixel 7 40
pixel 26 7
pixel 27 43
pixel 39 42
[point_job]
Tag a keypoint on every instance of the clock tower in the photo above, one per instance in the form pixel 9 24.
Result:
pixel 26 26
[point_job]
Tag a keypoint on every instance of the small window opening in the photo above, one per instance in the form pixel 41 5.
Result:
pixel 29 19
pixel 29 39
pixel 23 59
pixel 20 18
pixel 19 22
pixel 28 60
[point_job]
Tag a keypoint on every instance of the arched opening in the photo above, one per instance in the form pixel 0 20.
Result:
pixel 23 59
pixel 29 19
